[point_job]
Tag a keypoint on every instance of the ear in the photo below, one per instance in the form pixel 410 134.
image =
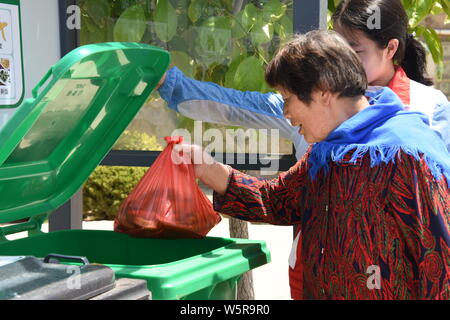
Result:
pixel 392 48
pixel 325 98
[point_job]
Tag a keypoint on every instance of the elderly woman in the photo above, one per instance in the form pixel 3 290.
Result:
pixel 371 196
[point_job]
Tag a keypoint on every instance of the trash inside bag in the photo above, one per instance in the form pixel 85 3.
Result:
pixel 167 202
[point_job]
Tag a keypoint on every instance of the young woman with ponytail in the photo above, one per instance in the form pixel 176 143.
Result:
pixel 392 57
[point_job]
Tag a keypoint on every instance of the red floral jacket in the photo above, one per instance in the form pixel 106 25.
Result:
pixel 366 233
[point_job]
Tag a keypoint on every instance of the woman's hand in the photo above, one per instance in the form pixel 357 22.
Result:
pixel 193 154
pixel 212 173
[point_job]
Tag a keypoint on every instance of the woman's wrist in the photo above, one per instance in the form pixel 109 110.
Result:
pixel 216 176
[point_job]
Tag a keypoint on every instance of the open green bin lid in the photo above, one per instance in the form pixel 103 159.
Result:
pixel 79 109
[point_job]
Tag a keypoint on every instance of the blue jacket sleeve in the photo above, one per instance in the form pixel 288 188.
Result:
pixel 207 101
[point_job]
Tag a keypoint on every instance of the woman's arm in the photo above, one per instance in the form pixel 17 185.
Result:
pixel 276 201
pixel 209 102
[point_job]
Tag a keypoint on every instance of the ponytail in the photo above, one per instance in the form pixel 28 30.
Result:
pixel 414 62
pixel 410 55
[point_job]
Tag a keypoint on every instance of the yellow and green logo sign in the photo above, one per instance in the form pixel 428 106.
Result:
pixel 11 65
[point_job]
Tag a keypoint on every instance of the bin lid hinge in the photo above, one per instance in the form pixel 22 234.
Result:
pixel 33 226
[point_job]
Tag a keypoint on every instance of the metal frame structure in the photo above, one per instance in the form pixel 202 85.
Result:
pixel 307 15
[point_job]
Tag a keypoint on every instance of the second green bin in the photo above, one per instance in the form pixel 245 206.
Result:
pixel 203 269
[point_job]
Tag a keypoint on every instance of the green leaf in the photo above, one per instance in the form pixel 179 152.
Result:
pixel 227 4
pixel 88 24
pixel 407 4
pixel 213 41
pixel 216 73
pixel 165 20
pixel 231 73
pixel 287 24
pixel 130 27
pixel 261 32
pixel 434 44
pixel 239 26
pixel 195 9
pixel 237 31
pixel 183 62
pixel 437 9
pixel 331 6
pixel 279 29
pixel 266 88
pixel 284 27
pixel 238 49
pixel 90 32
pixel 98 9
pixel 215 34
pixel 248 16
pixel 273 10
pixel 420 10
pixel 445 7
pixel 249 74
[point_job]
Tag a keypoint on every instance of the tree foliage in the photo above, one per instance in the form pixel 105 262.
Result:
pixel 224 41
pixel 221 40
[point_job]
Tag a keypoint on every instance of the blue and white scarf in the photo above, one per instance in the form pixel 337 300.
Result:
pixel 383 129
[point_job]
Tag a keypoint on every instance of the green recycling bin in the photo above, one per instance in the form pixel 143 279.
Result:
pixel 57 138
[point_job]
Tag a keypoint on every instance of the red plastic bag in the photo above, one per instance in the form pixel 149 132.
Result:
pixel 167 202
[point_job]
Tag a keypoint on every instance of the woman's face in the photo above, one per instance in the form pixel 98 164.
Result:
pixel 314 120
pixel 377 62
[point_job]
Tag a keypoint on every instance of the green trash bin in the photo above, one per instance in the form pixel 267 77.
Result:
pixel 57 138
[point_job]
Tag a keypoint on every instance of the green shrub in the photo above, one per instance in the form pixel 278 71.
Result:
pixel 107 187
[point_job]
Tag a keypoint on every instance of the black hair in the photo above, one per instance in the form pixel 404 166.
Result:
pixel 357 15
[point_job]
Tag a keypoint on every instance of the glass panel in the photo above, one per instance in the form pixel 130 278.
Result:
pixel 227 42
pixel 57 120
